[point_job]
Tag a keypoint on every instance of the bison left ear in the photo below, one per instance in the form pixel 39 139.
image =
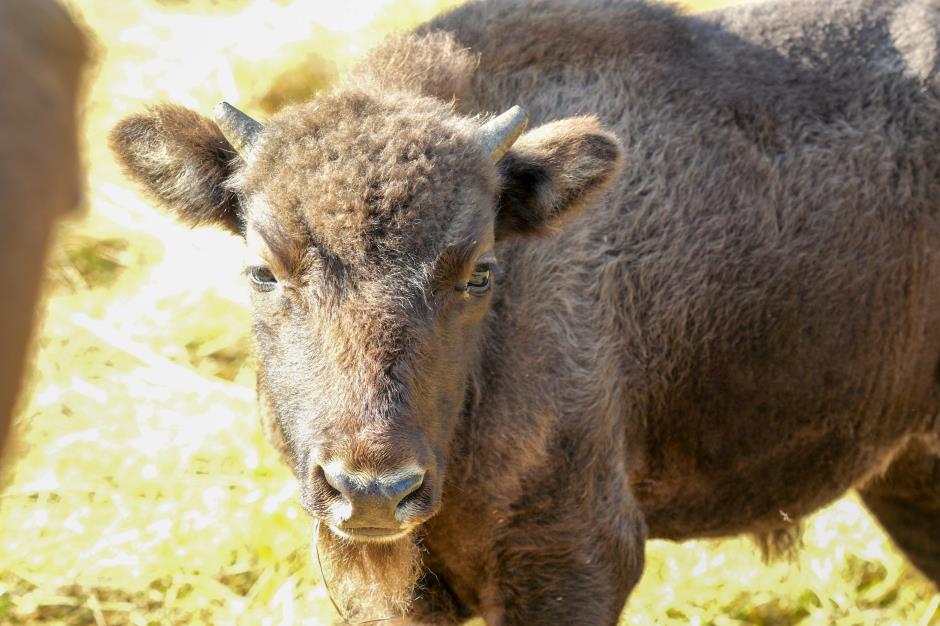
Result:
pixel 553 172
pixel 183 161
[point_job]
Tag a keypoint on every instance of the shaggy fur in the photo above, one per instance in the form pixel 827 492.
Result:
pixel 715 300
pixel 42 53
pixel 370 581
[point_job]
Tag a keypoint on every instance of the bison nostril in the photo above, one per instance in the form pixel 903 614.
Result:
pixel 401 488
pixel 329 485
pixel 418 503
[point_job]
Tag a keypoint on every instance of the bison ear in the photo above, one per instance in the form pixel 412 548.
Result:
pixel 551 173
pixel 183 160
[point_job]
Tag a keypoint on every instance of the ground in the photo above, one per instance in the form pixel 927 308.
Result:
pixel 143 491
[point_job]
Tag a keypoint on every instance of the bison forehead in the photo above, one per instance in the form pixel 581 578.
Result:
pixel 367 175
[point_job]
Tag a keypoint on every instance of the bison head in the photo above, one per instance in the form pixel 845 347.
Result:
pixel 372 224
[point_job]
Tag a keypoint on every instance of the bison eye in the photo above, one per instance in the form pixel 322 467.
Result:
pixel 262 278
pixel 479 280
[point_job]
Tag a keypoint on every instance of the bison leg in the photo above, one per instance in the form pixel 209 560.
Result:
pixel 569 565
pixel 906 501
pixel 562 585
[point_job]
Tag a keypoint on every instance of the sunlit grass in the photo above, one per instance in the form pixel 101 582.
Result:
pixel 143 491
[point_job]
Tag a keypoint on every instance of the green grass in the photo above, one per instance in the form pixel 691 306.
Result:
pixel 143 492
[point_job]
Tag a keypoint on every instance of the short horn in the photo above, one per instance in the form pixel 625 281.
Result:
pixel 501 132
pixel 240 130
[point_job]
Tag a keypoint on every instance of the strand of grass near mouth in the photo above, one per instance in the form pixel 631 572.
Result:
pixel 326 583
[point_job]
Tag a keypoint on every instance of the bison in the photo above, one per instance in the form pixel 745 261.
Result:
pixel 699 297
pixel 42 53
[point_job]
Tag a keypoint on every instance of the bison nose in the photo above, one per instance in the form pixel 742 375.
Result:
pixel 377 503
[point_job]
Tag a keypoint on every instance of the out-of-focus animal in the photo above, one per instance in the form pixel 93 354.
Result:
pixel 42 53
pixel 702 290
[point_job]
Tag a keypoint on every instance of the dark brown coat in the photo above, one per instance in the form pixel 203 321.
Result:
pixel 744 323
pixel 41 55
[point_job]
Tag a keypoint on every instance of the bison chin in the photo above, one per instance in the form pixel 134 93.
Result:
pixel 369 581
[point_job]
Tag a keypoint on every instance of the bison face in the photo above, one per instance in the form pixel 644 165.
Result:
pixel 370 224
pixel 369 231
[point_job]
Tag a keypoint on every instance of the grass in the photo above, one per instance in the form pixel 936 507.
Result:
pixel 143 491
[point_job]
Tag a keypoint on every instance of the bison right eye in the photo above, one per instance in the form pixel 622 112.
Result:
pixel 262 278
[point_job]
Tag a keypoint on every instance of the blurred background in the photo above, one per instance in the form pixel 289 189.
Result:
pixel 143 491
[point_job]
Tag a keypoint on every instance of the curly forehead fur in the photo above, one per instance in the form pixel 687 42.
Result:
pixel 368 175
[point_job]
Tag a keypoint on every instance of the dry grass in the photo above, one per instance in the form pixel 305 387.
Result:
pixel 143 492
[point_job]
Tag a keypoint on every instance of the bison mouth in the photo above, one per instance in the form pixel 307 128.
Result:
pixel 373 534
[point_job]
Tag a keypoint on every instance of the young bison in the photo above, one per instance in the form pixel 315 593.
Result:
pixel 702 290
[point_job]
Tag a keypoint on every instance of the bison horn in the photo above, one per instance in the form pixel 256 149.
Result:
pixel 240 130
pixel 501 132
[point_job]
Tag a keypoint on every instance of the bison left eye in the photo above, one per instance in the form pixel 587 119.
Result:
pixel 479 280
pixel 262 278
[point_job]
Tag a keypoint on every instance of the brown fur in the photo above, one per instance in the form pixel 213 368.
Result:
pixel 41 56
pixel 369 581
pixel 716 306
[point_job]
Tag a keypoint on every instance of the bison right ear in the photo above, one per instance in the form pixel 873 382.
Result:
pixel 183 161
pixel 551 173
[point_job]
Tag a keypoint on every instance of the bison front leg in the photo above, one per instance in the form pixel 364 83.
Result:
pixel 567 563
pixel 906 501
